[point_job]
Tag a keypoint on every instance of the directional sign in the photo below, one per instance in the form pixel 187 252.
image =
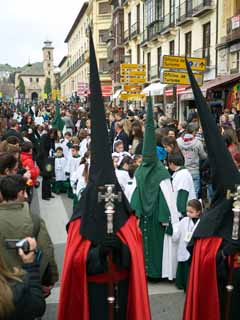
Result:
pixel 171 77
pixel 132 66
pixel 126 72
pixel 1 94
pixel 133 80
pixel 132 97
pixel 132 88
pixel 175 62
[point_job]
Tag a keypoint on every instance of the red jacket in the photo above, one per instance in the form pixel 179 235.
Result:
pixel 28 163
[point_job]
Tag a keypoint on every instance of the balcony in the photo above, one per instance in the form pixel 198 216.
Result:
pixel 75 66
pixel 144 37
pixel 233 29
pixel 134 30
pixel 126 37
pixel 168 23
pixel 125 2
pixel 184 13
pixel 154 30
pixel 154 72
pixel 201 7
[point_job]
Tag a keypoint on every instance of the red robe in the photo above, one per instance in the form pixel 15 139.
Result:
pixel 202 300
pixel 73 303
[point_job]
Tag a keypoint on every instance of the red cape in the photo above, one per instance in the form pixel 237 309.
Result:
pixel 73 304
pixel 202 301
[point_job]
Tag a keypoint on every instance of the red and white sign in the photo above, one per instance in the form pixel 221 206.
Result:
pixel 83 90
pixel 180 90
pixel 236 22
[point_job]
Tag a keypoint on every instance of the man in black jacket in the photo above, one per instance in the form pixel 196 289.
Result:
pixel 13 131
pixel 121 135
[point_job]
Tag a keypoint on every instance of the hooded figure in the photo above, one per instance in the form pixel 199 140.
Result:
pixel 154 202
pixel 215 258
pixel 86 274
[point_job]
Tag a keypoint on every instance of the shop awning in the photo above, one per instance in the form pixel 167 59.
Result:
pixel 180 90
pixel 117 94
pixel 154 89
pixel 212 84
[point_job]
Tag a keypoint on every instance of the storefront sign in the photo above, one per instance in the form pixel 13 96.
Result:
pixel 171 77
pixel 236 22
pixel 175 62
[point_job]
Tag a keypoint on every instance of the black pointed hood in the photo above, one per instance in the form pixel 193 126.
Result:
pixel 219 219
pixel 93 217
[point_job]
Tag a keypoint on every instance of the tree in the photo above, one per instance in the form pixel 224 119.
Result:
pixel 21 87
pixel 48 87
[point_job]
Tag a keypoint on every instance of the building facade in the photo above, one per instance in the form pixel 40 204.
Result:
pixel 75 67
pixel 34 75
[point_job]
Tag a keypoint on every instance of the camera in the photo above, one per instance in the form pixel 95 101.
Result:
pixel 18 244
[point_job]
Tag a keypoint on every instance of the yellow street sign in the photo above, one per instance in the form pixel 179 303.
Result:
pixel 127 73
pixel 171 77
pixel 132 66
pixel 132 88
pixel 175 62
pixel 133 80
pixel 131 97
pixel 1 94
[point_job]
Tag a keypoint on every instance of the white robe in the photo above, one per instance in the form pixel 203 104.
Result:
pixel 60 169
pixel 123 178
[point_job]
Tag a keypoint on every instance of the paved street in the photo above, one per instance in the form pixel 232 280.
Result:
pixel 166 300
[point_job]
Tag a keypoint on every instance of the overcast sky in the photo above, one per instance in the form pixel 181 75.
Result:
pixel 26 24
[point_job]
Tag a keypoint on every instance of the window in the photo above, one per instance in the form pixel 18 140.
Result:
pixel 234 62
pixel 130 55
pixel 103 65
pixel 159 58
pixel 31 80
pixel 149 66
pixel 49 73
pixel 188 44
pixel 104 8
pixel 138 18
pixel 149 12
pixel 37 80
pixel 49 55
pixel 103 35
pixel 206 41
pixel 138 53
pixel 171 48
pixel 129 23
pixel 159 10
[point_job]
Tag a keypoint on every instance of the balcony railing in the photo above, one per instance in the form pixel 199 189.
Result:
pixel 144 37
pixel 154 30
pixel 154 72
pixel 233 29
pixel 201 6
pixel 168 22
pixel 74 66
pixel 184 12
pixel 126 35
pixel 134 29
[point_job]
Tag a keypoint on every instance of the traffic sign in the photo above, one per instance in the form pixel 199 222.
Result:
pixel 132 66
pixel 172 77
pixel 132 88
pixel 175 62
pixel 127 73
pixel 132 97
pixel 132 80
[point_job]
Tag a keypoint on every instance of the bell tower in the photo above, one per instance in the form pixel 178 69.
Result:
pixel 48 65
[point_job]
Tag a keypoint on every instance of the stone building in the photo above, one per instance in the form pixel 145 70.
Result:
pixel 34 75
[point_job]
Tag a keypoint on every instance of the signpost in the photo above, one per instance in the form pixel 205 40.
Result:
pixel 131 96
pixel 175 62
pixel 132 88
pixel 173 77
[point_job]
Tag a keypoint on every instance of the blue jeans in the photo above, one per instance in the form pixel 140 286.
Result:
pixel 196 182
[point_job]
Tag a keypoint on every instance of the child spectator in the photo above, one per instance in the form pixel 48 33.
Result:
pixel 122 175
pixel 72 166
pixel 28 163
pixel 59 185
pixel 182 182
pixel 182 233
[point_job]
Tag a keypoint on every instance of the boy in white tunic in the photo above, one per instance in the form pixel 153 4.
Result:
pixel 59 185
pixel 182 234
pixel 182 182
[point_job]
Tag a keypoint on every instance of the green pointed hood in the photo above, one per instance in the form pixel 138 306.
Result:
pixel 58 122
pixel 150 173
pixel 149 144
